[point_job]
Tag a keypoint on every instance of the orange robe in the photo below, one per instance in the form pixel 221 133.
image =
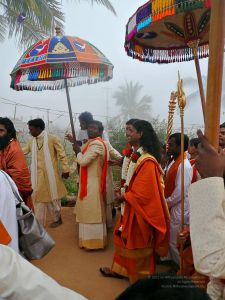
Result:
pixel 5 238
pixel 145 223
pixel 13 162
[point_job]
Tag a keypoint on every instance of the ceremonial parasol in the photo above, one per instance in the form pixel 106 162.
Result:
pixel 168 31
pixel 60 62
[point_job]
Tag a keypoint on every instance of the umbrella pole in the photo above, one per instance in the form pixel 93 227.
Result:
pixel 215 71
pixel 70 109
pixel 194 47
pixel 181 102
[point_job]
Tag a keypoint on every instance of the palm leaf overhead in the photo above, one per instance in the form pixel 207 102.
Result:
pixel 37 19
pixel 31 20
pixel 106 3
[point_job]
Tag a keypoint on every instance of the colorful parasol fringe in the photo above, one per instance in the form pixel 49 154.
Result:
pixel 154 11
pixel 48 62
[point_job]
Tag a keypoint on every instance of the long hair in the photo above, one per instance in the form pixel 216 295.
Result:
pixel 11 131
pixel 149 140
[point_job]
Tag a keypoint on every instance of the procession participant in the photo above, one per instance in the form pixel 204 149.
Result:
pixel 222 136
pixel 13 161
pixel 207 217
pixel 8 220
pixel 84 118
pixel 47 183
pixel 193 152
pixel 143 229
pixel 90 207
pixel 116 156
pixel 173 190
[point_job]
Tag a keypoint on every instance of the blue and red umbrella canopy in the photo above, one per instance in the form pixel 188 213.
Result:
pixel 48 62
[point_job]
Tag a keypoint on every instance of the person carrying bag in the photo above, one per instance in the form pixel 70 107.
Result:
pixel 34 240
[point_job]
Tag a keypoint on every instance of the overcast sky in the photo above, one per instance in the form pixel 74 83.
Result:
pixel 106 31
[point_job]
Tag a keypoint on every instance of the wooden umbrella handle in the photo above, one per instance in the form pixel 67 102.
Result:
pixel 215 71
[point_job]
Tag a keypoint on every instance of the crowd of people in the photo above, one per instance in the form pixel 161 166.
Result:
pixel 148 225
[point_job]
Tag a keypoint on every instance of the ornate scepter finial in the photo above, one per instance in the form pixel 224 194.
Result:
pixel 172 106
pixel 181 95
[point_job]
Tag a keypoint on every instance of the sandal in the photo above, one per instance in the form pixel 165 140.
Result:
pixel 107 272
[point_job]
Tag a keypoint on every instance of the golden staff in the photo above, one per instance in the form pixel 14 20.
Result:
pixel 172 106
pixel 182 103
pixel 215 71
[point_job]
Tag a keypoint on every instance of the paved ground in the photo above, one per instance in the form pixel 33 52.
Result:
pixel 79 269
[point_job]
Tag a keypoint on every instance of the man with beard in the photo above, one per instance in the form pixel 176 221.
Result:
pixel 13 161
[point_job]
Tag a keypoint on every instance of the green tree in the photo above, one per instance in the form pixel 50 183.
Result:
pixel 131 104
pixel 31 20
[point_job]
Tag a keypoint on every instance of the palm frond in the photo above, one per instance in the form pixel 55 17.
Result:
pixel 106 3
pixel 3 27
pixel 41 17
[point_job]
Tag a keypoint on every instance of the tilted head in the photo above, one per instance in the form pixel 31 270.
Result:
pixel 85 118
pixel 7 132
pixel 95 129
pixel 193 146
pixel 36 126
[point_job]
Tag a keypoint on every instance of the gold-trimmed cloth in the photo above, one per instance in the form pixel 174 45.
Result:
pixel 92 236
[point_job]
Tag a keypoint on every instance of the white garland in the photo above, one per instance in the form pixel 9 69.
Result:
pixel 128 169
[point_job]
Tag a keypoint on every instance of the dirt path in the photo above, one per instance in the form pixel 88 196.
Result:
pixel 78 269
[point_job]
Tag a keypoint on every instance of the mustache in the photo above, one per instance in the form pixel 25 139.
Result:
pixel 4 141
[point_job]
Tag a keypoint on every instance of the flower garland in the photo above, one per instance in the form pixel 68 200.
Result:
pixel 128 168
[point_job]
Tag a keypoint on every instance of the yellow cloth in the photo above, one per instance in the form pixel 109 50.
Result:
pixel 91 209
pixel 57 153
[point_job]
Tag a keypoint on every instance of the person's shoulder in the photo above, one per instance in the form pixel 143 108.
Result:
pixel 54 138
pixel 97 142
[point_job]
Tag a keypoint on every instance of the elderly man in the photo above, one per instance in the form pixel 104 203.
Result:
pixel 207 217
pixel 13 161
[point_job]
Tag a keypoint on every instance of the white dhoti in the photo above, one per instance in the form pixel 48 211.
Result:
pixel 42 208
pixel 92 236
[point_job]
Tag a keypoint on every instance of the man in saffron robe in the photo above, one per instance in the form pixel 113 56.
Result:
pixel 173 190
pixel 143 230
pixel 90 207
pixel 47 181
pixel 13 161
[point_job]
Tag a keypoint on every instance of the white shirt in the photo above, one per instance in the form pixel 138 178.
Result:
pixel 174 201
pixel 8 209
pixel 20 280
